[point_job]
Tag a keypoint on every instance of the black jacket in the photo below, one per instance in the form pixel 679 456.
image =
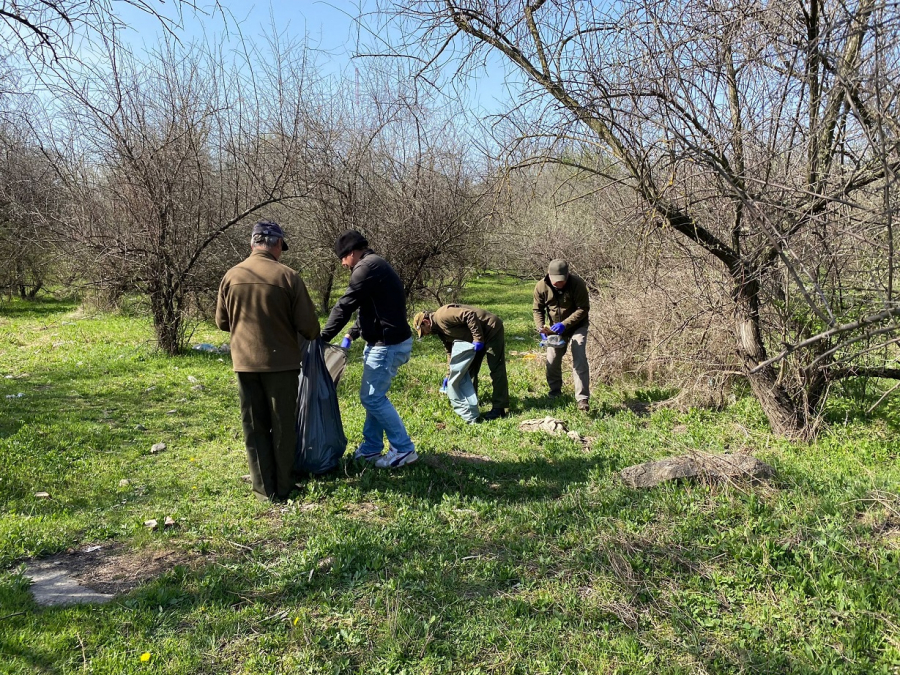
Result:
pixel 377 293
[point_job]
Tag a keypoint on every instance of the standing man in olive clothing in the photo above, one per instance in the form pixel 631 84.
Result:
pixel 265 305
pixel 376 294
pixel 485 331
pixel 561 300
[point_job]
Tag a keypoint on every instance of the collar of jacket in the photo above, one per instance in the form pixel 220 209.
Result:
pixel 366 252
pixel 554 288
pixel 263 253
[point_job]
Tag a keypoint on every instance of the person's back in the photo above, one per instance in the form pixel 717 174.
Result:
pixel 264 310
pixel 377 293
pixel 466 323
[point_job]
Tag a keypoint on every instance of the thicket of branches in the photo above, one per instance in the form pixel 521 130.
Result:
pixel 761 138
pixel 146 173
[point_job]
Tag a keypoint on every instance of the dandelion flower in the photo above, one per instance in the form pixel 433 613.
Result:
pixel 145 657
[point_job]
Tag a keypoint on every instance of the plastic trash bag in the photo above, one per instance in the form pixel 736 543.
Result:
pixel 460 389
pixel 335 361
pixel 320 433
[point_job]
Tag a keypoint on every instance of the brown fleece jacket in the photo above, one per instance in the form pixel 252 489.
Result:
pixel 264 305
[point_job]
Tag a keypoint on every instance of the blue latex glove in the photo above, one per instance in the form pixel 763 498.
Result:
pixel 444 383
pixel 479 346
pixel 346 342
pixel 558 328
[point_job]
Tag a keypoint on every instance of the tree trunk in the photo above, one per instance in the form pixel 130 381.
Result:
pixel 325 305
pixel 785 416
pixel 168 321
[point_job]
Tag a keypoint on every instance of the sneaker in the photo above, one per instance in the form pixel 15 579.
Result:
pixel 584 406
pixel 394 459
pixel 495 413
pixel 364 457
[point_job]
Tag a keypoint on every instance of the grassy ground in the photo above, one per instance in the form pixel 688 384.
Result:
pixel 498 552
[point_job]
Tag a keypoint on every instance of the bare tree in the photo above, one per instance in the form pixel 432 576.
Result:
pixel 54 31
pixel 762 135
pixel 163 157
pixel 390 166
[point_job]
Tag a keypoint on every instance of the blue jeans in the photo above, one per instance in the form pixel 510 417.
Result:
pixel 380 365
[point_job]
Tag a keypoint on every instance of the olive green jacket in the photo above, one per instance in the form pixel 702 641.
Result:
pixel 461 322
pixel 264 305
pixel 569 305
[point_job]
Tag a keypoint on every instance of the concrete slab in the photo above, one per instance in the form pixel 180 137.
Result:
pixel 52 585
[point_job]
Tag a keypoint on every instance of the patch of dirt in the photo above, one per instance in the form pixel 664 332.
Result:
pixel 365 511
pixel 639 408
pixel 111 569
pixel 889 530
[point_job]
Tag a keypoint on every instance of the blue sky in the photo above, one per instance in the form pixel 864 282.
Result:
pixel 330 27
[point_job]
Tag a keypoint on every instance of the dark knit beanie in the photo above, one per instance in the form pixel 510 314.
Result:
pixel 348 242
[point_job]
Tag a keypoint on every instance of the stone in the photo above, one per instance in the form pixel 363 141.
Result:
pixel 51 585
pixel 151 524
pixel 124 482
pixel 698 465
pixel 192 379
pixel 157 448
pixel 169 521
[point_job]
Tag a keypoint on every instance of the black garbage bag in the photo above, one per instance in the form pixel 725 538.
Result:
pixel 320 433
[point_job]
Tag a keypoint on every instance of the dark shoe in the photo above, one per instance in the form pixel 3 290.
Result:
pixel 584 406
pixel 495 413
pixel 554 394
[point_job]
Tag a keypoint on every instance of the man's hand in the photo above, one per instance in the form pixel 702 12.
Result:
pixel 558 328
pixel 346 342
pixel 479 346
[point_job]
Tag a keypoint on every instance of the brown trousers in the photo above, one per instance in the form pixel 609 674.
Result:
pixel 269 419
pixel 495 349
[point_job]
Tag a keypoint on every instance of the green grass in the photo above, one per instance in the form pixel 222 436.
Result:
pixel 498 552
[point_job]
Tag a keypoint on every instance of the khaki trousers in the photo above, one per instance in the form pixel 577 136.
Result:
pixel 580 370
pixel 269 419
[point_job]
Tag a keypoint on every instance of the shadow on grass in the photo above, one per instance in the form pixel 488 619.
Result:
pixel 39 308
pixel 471 476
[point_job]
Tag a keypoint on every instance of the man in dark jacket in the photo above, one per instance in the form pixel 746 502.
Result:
pixel 264 305
pixel 485 331
pixel 376 293
pixel 561 300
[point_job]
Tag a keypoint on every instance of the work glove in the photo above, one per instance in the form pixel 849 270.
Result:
pixel 558 328
pixel 479 346
pixel 346 342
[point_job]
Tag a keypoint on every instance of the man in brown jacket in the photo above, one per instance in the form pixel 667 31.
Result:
pixel 265 305
pixel 485 331
pixel 561 300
